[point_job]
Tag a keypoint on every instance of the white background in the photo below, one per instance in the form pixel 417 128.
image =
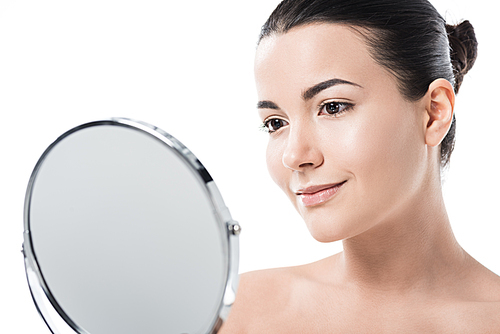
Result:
pixel 187 67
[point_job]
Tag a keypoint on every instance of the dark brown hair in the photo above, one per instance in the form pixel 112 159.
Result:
pixel 409 38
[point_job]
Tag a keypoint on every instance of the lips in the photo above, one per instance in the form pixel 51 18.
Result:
pixel 316 195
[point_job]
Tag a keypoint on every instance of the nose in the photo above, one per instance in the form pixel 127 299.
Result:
pixel 302 150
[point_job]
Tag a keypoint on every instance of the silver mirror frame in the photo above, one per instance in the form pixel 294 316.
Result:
pixel 54 316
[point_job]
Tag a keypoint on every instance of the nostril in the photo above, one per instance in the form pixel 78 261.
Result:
pixel 306 164
pixel 301 152
pixel 309 160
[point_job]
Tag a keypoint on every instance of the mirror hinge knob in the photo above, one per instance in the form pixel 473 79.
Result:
pixel 234 228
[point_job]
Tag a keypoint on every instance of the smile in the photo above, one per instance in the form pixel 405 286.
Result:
pixel 316 195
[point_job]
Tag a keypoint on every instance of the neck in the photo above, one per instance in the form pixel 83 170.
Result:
pixel 412 249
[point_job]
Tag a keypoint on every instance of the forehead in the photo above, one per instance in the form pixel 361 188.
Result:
pixel 313 53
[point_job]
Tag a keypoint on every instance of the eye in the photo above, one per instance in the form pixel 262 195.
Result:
pixel 335 108
pixel 274 124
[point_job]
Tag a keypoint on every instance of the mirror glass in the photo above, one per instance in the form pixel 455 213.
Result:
pixel 125 232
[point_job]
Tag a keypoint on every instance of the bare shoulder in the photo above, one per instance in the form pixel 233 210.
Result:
pixel 259 293
pixel 472 317
pixel 270 298
pixel 488 307
pixel 477 309
pixel 484 285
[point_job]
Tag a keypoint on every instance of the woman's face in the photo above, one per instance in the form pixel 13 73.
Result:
pixel 344 145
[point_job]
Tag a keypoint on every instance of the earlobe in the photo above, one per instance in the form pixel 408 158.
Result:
pixel 439 106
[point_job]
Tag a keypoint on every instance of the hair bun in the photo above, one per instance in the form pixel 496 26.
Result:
pixel 463 46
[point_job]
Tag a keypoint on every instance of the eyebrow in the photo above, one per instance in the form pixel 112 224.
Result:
pixel 316 89
pixel 310 92
pixel 267 105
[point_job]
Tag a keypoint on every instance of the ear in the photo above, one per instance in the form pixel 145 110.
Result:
pixel 440 102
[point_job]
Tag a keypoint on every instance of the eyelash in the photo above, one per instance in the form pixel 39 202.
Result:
pixel 265 125
pixel 338 105
pixel 347 107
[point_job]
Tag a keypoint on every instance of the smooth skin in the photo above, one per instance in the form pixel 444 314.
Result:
pixel 401 269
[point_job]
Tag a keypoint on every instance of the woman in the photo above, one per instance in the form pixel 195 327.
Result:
pixel 358 99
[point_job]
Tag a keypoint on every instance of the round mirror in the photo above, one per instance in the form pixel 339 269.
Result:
pixel 126 232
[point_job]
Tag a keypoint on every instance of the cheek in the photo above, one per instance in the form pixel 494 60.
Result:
pixel 386 154
pixel 274 154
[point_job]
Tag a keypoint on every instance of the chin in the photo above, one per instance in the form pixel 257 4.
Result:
pixel 326 232
pixel 335 228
